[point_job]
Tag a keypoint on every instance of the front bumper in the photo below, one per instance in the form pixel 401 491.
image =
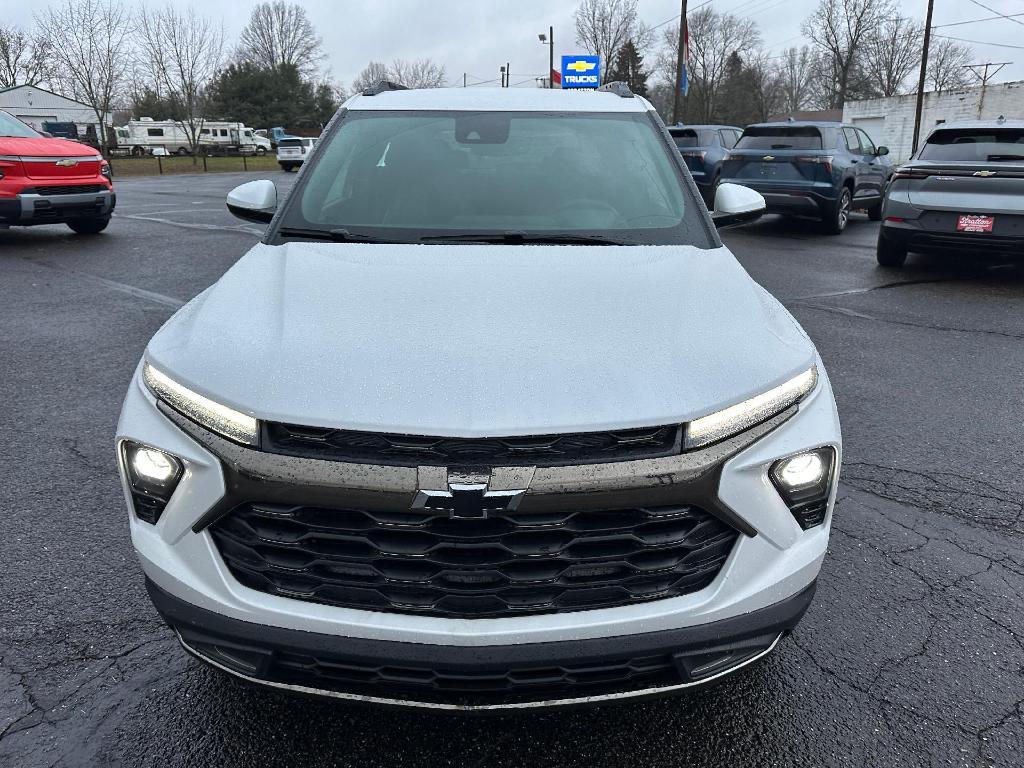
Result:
pixel 560 673
pixel 776 563
pixel 28 208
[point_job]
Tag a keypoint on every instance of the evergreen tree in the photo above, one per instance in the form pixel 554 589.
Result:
pixel 264 97
pixel 629 68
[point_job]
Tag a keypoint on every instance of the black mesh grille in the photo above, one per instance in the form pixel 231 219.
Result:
pixel 412 450
pixel 488 686
pixel 510 563
pixel 71 189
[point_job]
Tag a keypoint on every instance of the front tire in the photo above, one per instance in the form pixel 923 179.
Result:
pixel 889 254
pixel 839 216
pixel 260 151
pixel 89 226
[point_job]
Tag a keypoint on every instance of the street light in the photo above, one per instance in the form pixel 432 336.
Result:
pixel 549 40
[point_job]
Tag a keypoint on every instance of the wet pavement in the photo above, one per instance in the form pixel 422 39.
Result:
pixel 912 654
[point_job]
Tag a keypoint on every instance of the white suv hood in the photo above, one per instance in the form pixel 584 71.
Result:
pixel 478 340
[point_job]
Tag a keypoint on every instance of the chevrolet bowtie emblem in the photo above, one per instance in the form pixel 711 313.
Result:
pixel 581 66
pixel 985 173
pixel 768 157
pixel 468 496
pixel 67 162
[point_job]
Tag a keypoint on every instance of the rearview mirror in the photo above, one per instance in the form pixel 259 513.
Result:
pixel 880 151
pixel 253 201
pixel 736 204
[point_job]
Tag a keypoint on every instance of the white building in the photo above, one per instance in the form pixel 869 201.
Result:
pixel 35 106
pixel 890 121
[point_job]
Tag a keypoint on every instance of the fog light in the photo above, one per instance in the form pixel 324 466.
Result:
pixel 153 465
pixel 800 470
pixel 152 477
pixel 804 482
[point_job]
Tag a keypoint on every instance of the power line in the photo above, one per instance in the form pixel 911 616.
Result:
pixel 975 21
pixel 981 42
pixel 993 10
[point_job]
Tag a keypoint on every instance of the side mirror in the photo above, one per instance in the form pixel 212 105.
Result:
pixel 881 151
pixel 253 201
pixel 46 134
pixel 736 204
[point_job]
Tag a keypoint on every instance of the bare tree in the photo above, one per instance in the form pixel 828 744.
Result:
pixel 840 31
pixel 892 52
pixel 280 33
pixel 947 62
pixel 766 94
pixel 22 58
pixel 795 73
pixel 372 73
pixel 181 51
pixel 88 46
pixel 714 38
pixel 604 26
pixel 418 73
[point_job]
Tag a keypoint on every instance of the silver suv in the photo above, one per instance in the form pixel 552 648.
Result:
pixel 963 190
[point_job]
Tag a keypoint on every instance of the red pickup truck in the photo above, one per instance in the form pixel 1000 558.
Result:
pixel 51 181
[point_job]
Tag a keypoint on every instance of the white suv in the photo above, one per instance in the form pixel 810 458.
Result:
pixel 292 152
pixel 489 419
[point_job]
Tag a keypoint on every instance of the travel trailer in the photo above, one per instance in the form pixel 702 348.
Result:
pixel 143 136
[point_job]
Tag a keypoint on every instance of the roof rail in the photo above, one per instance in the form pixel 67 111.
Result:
pixel 383 85
pixel 619 88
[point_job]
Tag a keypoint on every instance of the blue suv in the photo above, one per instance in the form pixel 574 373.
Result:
pixel 703 148
pixel 815 169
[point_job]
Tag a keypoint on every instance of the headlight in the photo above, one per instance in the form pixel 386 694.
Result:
pixel 218 418
pixel 105 169
pixel 736 418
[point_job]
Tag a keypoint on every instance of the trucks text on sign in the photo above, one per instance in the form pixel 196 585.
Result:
pixel 581 71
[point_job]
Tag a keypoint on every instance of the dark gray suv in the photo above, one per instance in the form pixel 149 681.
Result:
pixel 703 148
pixel 964 190
pixel 815 169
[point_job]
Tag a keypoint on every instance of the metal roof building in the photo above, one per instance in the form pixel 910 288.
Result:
pixel 36 106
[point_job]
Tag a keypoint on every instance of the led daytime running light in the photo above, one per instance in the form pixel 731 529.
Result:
pixel 218 418
pixel 736 418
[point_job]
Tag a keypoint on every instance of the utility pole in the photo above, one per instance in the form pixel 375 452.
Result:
pixel 463 79
pixel 677 96
pixel 985 77
pixel 921 77
pixel 551 57
pixel 508 74
pixel 502 70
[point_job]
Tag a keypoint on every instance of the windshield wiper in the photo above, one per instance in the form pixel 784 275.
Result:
pixel 330 235
pixel 521 238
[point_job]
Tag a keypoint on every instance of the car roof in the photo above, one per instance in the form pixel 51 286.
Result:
pixel 1003 123
pixel 499 100
pixel 708 126
pixel 801 124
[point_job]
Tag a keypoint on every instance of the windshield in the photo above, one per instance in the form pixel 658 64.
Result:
pixel 780 137
pixel 10 126
pixel 977 145
pixel 409 176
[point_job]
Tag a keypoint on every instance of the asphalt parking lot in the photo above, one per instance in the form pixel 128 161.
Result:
pixel 912 654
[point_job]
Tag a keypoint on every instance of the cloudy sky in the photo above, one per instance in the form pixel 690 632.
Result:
pixel 477 37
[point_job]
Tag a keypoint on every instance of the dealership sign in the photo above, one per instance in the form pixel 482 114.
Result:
pixel 581 71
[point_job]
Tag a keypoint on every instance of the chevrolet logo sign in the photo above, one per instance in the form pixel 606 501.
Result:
pixel 985 173
pixel 67 162
pixel 769 158
pixel 581 66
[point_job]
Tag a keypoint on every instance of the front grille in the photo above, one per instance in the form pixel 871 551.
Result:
pixel 500 684
pixel 507 564
pixel 411 450
pixel 80 189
